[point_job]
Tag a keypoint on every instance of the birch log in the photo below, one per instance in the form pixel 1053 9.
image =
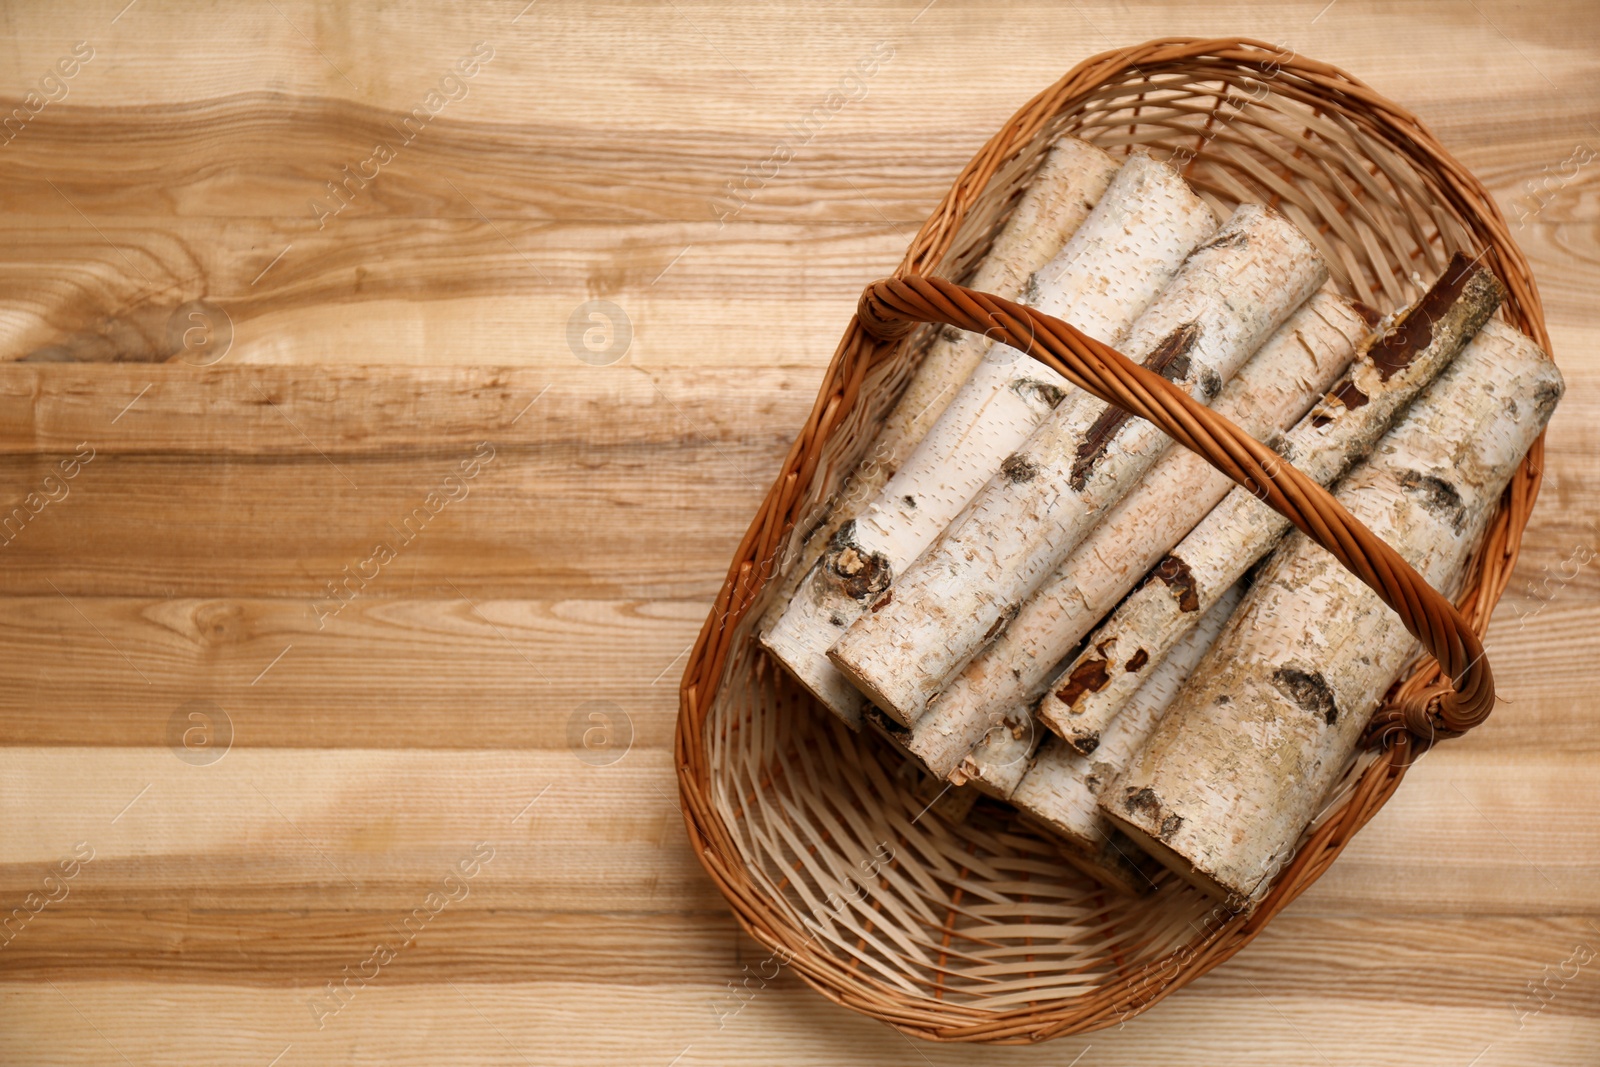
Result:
pixel 992 697
pixel 998 762
pixel 1231 293
pixel 1230 778
pixel 1131 244
pixel 1061 788
pixel 1055 203
pixel 1241 529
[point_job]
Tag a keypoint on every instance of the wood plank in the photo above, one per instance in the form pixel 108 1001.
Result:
pixel 466 290
pixel 363 828
pixel 537 522
pixel 1484 961
pixel 198 835
pixel 408 672
pixel 382 673
pixel 451 291
pixel 395 411
pixel 582 1023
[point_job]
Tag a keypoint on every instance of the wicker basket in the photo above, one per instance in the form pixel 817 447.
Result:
pixel 974 929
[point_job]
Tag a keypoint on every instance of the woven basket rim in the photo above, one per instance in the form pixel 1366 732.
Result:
pixel 1323 87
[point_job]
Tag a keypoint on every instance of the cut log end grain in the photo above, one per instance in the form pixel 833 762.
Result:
pixel 1393 367
pixel 1229 296
pixel 1224 787
pixel 1115 861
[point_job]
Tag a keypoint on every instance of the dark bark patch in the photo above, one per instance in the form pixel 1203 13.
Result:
pixel 1436 494
pixel 883 601
pixel 860 574
pixel 1546 397
pixel 1090 676
pixel 1347 394
pixel 1046 392
pixel 1412 335
pixel 1170 359
pixel 1180 581
pixel 1144 802
pixel 1002 622
pixel 1239 238
pixel 910 501
pixel 1309 690
pixel 1371 315
pixel 1095 445
pixel 883 724
pixel 1019 468
pixel 1137 660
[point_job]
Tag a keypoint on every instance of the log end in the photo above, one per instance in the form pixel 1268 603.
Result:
pixel 897 735
pixel 1138 813
pixel 895 700
pixel 816 675
pixel 1114 861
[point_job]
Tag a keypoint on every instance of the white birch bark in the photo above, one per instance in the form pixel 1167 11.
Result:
pixel 1055 203
pixel 992 413
pixel 996 691
pixel 1061 787
pixel 1230 295
pixel 1223 788
pixel 1054 206
pixel 1240 530
pixel 1125 252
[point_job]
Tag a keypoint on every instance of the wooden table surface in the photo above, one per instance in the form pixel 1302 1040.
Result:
pixel 450 788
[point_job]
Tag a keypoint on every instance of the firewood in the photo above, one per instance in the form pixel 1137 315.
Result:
pixel 1230 295
pixel 1131 244
pixel 1054 204
pixel 992 413
pixel 1224 787
pixel 993 696
pixel 1242 529
pixel 1061 788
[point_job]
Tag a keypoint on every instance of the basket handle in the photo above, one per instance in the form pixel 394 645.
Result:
pixel 887 312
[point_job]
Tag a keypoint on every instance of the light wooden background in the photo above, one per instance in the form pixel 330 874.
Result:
pixel 435 711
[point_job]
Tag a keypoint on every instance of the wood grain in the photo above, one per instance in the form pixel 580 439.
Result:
pixel 589 160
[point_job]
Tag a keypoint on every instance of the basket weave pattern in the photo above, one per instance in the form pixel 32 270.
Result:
pixel 975 929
